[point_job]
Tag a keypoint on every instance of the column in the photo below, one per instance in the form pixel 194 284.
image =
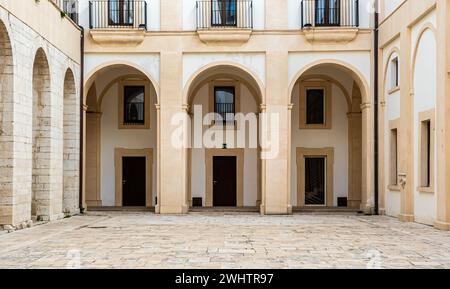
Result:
pixel 275 173
pixel 173 159
pixel 443 116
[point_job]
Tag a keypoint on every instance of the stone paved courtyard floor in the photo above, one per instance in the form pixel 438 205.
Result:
pixel 214 240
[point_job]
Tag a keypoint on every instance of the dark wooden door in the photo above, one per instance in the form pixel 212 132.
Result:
pixel 224 182
pixel 315 181
pixel 133 182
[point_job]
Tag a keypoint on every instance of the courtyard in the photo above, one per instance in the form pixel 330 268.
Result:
pixel 225 240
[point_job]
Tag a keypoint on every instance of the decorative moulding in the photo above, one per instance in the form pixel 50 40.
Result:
pixel 328 35
pixel 128 37
pixel 220 36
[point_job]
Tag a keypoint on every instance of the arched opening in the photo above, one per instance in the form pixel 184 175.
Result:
pixel 121 138
pixel 6 99
pixel 327 138
pixel 71 146
pixel 224 159
pixel 41 186
pixel 423 199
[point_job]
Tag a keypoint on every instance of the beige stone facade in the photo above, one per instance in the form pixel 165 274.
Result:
pixel 275 56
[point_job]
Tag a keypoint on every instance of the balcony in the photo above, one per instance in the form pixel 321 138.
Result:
pixel 330 21
pixel 220 21
pixel 120 22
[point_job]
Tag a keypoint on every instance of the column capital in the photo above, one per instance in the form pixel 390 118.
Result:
pixel 366 105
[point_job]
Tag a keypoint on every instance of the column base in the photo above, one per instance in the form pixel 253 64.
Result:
pixel 265 210
pixel 172 210
pixel 406 218
pixel 443 226
pixel 382 211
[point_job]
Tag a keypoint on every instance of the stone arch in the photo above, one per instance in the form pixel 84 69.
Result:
pixel 426 27
pixel 233 74
pixel 90 78
pixel 6 122
pixel 392 52
pixel 71 148
pixel 358 142
pixel 221 69
pixel 101 83
pixel 346 67
pixel 41 139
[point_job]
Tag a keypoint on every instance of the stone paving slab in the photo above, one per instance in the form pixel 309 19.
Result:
pixel 218 240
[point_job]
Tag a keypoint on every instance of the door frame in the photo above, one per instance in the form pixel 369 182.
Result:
pixel 328 153
pixel 209 158
pixel 119 153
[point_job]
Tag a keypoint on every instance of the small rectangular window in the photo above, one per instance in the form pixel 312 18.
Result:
pixel 394 158
pixel 315 106
pixel 224 103
pixel 134 105
pixel 394 73
pixel 425 154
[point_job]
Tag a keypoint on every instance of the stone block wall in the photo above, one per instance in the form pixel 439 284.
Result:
pixel 39 126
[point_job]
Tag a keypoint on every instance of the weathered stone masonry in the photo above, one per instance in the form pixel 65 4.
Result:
pixel 39 126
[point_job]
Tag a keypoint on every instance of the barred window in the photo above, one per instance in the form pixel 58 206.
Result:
pixel 224 102
pixel 134 105
pixel 315 106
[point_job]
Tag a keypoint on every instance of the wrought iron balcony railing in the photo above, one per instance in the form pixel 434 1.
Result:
pixel 69 7
pixel 224 14
pixel 329 13
pixel 105 14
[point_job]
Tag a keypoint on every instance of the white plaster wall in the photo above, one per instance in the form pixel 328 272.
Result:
pixel 112 138
pixel 149 64
pixel 392 112
pixel 391 5
pixel 190 18
pixel 254 62
pixel 361 61
pixel 294 14
pixel 336 138
pixel 153 14
pixel 198 181
pixel 424 99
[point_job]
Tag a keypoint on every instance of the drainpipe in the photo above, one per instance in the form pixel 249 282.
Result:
pixel 81 119
pixel 376 110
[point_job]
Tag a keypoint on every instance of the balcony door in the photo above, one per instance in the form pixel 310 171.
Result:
pixel 327 12
pixel 224 12
pixel 121 12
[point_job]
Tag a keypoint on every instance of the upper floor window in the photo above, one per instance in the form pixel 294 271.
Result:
pixel 344 13
pixel 134 104
pixel 223 12
pixel 394 73
pixel 327 12
pixel 224 103
pixel 121 12
pixel 315 105
pixel 106 14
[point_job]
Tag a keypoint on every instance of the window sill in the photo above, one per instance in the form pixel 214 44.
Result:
pixel 141 126
pixel 315 126
pixel 394 188
pixel 394 90
pixel 425 190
